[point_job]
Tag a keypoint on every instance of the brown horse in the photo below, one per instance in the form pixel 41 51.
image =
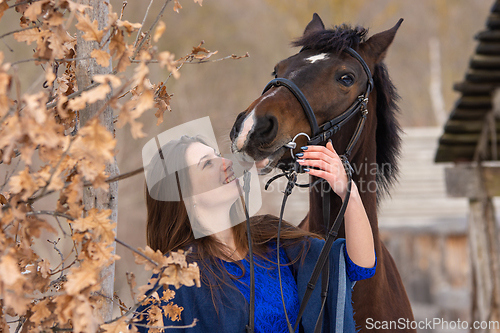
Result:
pixel 331 80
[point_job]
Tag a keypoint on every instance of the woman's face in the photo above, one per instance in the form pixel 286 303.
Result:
pixel 212 177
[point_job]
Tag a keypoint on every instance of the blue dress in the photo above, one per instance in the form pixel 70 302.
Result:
pixel 232 298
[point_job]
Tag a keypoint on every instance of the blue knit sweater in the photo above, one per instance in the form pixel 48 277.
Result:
pixel 269 314
pixel 232 298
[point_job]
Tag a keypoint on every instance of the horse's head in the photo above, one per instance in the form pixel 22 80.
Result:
pixel 330 79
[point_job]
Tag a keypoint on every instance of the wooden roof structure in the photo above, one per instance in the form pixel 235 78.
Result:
pixel 462 131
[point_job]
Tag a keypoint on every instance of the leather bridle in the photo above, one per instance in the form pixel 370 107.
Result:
pixel 324 132
pixel 320 134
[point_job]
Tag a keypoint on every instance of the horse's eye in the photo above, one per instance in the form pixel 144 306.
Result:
pixel 274 73
pixel 347 80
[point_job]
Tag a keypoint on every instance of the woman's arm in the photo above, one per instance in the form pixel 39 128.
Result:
pixel 359 237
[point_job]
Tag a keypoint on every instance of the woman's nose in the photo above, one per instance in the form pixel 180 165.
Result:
pixel 226 163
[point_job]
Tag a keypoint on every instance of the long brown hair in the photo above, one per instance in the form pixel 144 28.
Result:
pixel 169 228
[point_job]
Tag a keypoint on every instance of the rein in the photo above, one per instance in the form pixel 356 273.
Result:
pixel 320 134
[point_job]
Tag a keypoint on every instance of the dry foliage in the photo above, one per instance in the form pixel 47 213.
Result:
pixel 65 296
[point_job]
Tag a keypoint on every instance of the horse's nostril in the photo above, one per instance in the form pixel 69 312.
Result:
pixel 269 128
pixel 266 128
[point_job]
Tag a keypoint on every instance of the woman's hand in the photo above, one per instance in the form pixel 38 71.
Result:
pixel 359 238
pixel 329 164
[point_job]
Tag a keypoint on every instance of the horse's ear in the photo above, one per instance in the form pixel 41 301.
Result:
pixel 315 25
pixel 379 43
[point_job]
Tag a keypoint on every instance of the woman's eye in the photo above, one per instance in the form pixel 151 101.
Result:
pixel 347 80
pixel 207 163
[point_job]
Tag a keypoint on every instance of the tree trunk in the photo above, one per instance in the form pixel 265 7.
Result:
pixel 97 198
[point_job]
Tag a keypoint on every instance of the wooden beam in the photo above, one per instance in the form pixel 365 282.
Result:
pixel 454 153
pixel 482 75
pixel 488 48
pixel 474 102
pixel 474 114
pixel 474 89
pixel 466 126
pixel 462 139
pixel 481 61
pixel 488 36
pixel 463 181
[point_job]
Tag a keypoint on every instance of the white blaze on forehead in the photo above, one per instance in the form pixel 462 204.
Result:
pixel 314 58
pixel 248 125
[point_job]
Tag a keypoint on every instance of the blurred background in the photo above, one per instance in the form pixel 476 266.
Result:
pixel 423 229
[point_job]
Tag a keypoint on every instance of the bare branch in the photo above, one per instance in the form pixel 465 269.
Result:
pixel 77 93
pixel 110 100
pixel 135 251
pixel 18 89
pixel 112 300
pixel 189 60
pixel 32 199
pixel 16 154
pixel 20 325
pixel 109 180
pixel 123 8
pixel 232 56
pixel 169 76
pixel 54 243
pixel 136 305
pixel 120 176
pixel 193 324
pixel 6 115
pixel 50 212
pixel 60 226
pixel 19 30
pixel 160 14
pixel 45 59
pixel 64 268
pixel 58 329
pixel 23 3
pixel 10 48
pixel 8 178
pixel 143 21
pixel 131 282
pixel 53 171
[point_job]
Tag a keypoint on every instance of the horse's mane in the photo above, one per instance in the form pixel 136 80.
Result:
pixel 333 40
pixel 388 133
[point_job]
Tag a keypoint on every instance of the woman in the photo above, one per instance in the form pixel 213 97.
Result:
pixel 209 200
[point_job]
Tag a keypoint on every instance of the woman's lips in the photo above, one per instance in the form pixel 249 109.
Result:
pixel 229 179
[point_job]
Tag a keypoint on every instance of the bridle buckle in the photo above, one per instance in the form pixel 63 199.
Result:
pixel 292 144
pixel 364 105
